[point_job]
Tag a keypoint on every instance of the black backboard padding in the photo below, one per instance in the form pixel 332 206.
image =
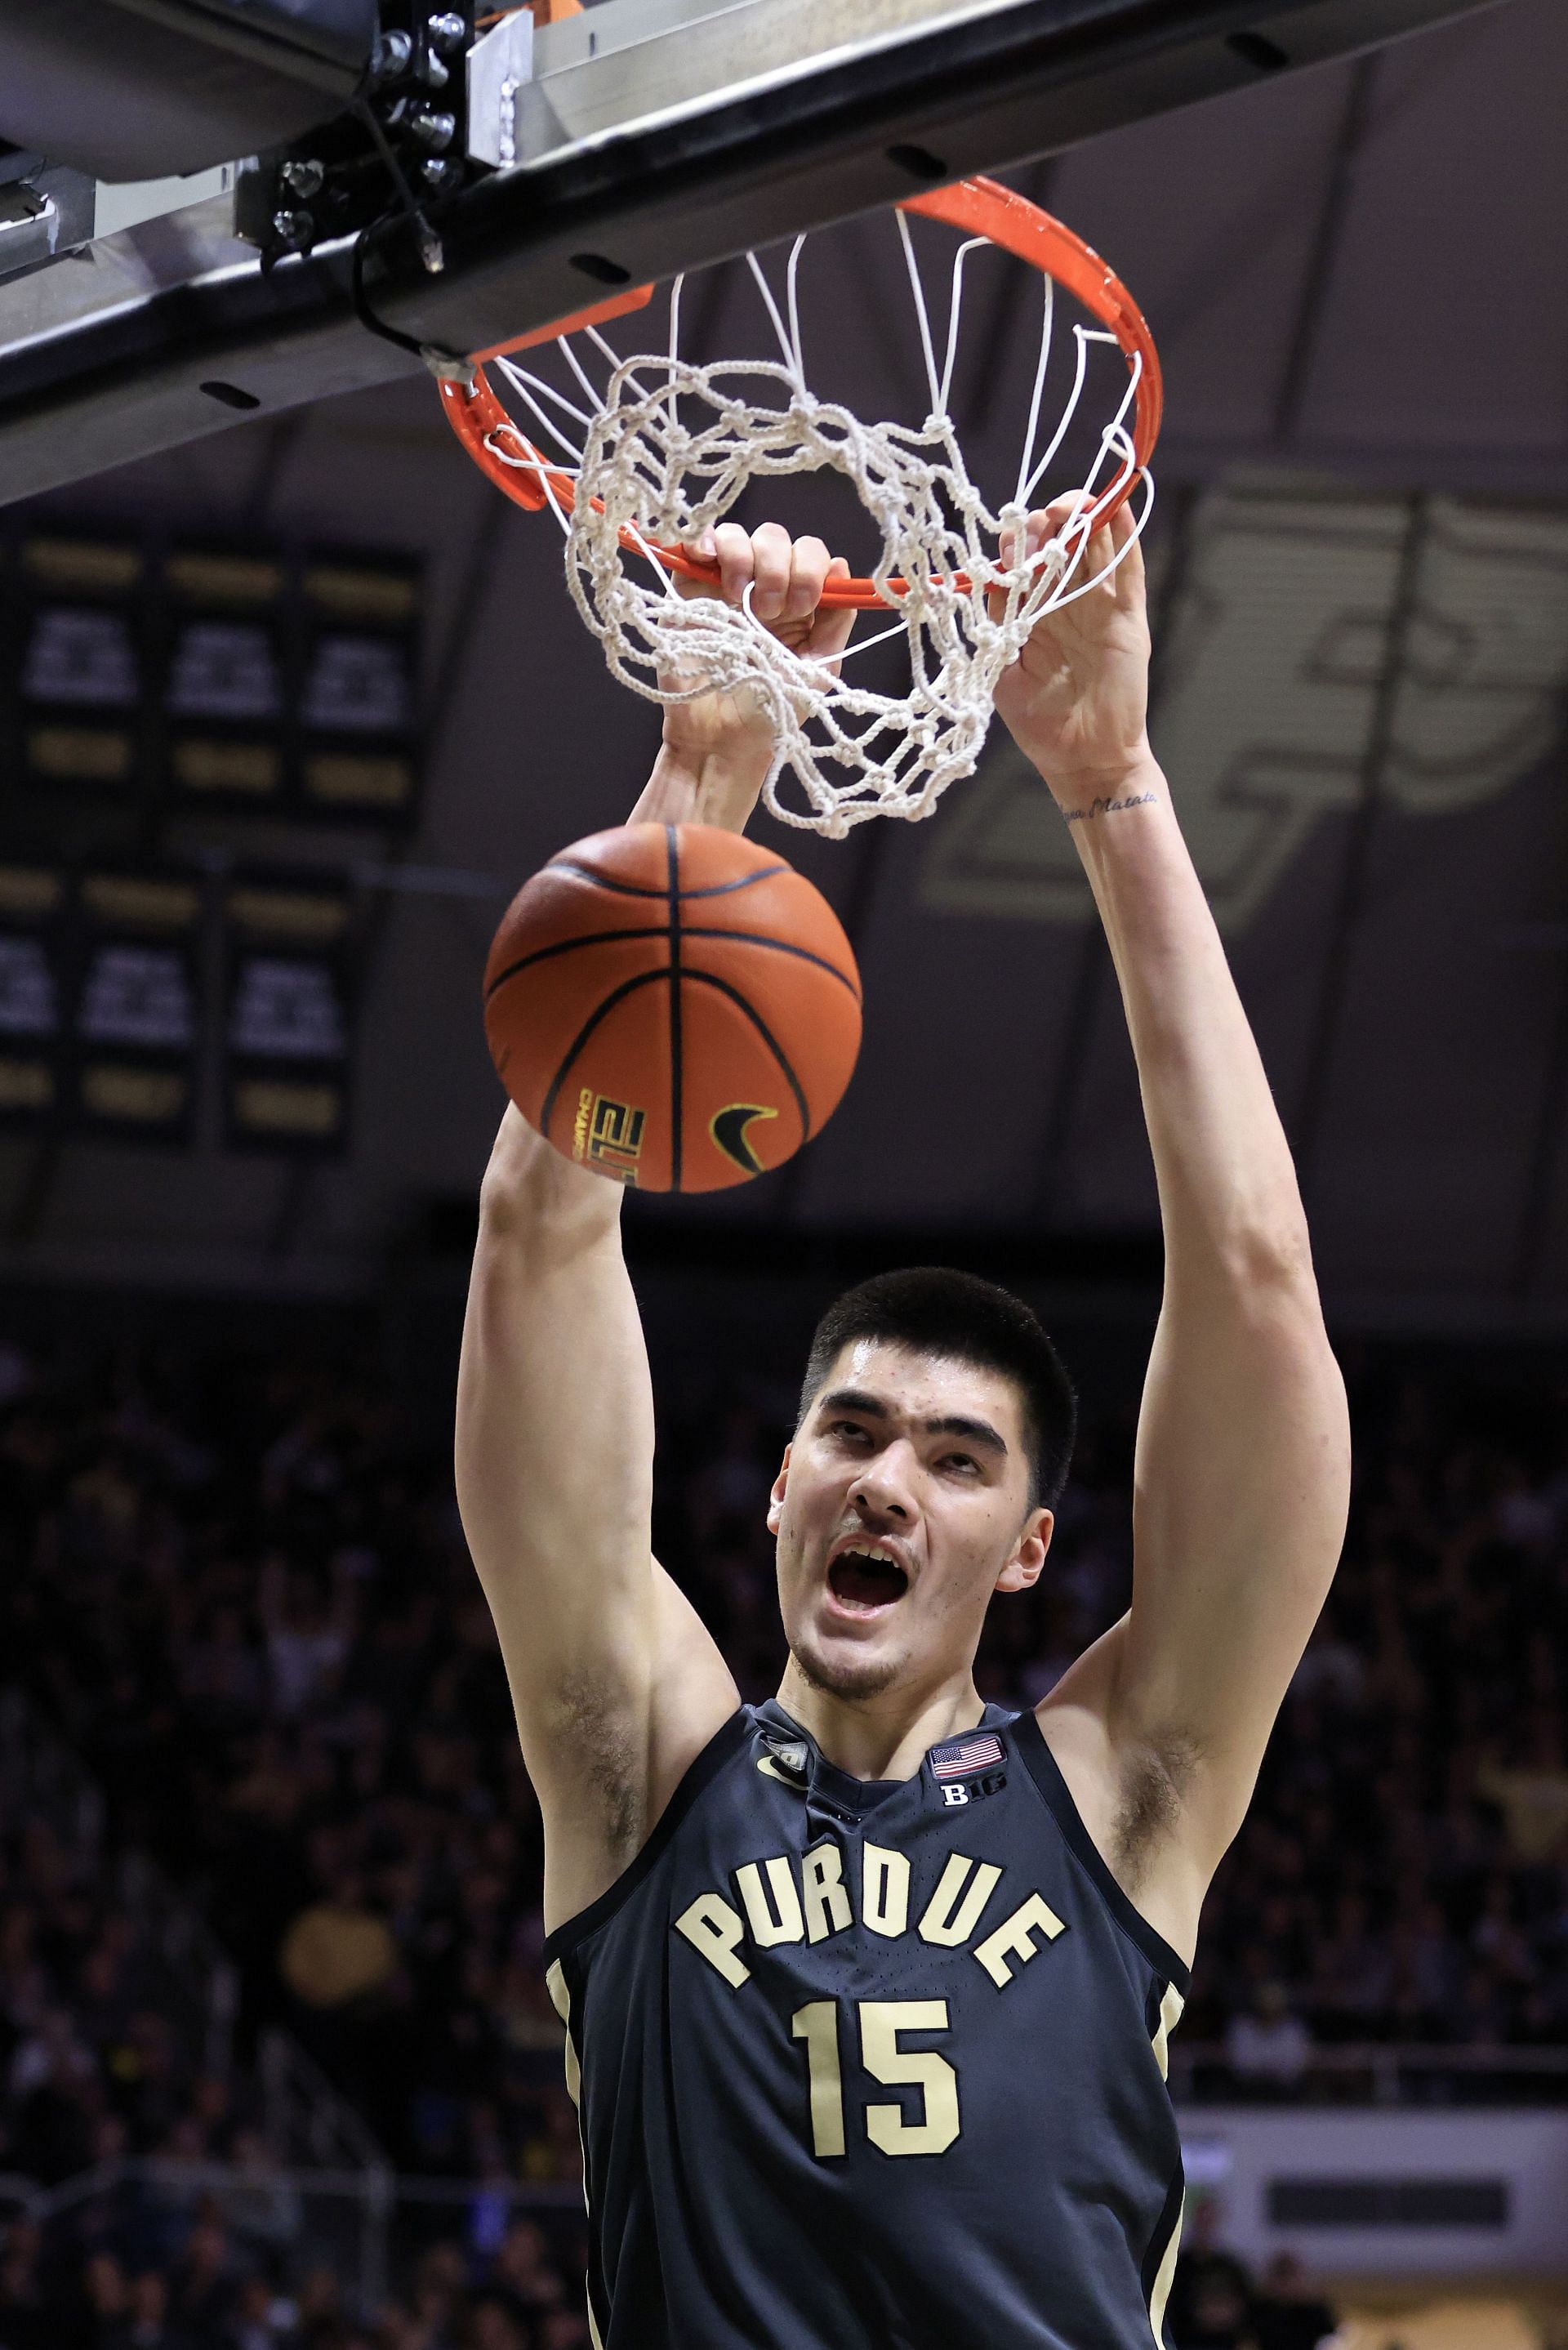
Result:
pixel 137 89
pixel 1026 80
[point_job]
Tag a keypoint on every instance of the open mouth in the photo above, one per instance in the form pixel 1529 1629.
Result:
pixel 858 1578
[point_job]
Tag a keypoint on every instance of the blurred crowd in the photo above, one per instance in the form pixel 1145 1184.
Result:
pixel 236 1582
pixel 1217 2304
pixel 1403 1874
pixel 166 2272
pixel 95 2062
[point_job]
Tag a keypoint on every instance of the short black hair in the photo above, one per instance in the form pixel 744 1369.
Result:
pixel 935 1310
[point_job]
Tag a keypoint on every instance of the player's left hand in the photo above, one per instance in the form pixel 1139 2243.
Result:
pixel 787 577
pixel 1075 701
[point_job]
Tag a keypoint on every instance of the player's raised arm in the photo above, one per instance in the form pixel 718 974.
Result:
pixel 1242 1468
pixel 617 1684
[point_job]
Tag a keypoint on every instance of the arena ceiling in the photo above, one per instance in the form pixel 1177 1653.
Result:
pixel 1361 592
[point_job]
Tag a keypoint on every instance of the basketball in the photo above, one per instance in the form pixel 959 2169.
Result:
pixel 672 1007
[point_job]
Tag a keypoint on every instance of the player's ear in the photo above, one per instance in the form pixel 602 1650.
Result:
pixel 776 1498
pixel 1022 1568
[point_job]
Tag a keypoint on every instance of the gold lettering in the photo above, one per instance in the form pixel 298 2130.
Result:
pixel 712 1927
pixel 954 1910
pixel 827 1909
pixel 884 1890
pixel 1012 1938
pixel 817 2025
pixel 881 2021
pixel 766 1930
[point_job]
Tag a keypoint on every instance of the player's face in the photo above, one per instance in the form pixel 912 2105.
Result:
pixel 902 1505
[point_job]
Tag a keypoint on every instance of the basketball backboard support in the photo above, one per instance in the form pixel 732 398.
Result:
pixel 652 136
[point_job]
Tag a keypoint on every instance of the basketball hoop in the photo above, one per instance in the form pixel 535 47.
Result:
pixel 664 448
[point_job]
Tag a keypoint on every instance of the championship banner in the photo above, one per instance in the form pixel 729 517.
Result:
pixel 287 1023
pixel 136 1022
pixel 358 696
pixel 226 686
pixel 33 995
pixel 79 657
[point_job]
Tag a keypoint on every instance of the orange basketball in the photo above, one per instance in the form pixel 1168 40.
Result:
pixel 673 1006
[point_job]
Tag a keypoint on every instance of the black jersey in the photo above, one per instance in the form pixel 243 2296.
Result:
pixel 872 2065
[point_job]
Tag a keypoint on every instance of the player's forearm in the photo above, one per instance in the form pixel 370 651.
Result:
pixel 1229 1196
pixel 533 1199
pixel 718 786
pixel 555 1424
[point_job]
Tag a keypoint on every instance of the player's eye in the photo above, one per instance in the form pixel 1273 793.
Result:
pixel 960 1461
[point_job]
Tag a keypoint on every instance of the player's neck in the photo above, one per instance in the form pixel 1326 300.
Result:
pixel 885 1736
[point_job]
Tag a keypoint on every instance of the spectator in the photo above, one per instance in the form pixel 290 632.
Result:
pixel 524 2272
pixel 563 2329
pixel 25 2321
pixel 1287 2314
pixel 1211 2305
pixel 146 2323
pixel 493 2325
pixel 104 2300
pixel 1270 2048
pixel 1532 1797
pixel 262 2319
pixel 337 1951
pixel 202 2283
pixel 261 2203
pixel 306 1641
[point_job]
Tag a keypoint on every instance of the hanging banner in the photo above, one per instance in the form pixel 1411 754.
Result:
pixel 358 687
pixel 33 995
pixel 287 1012
pixel 227 683
pixel 136 1024
pixel 77 631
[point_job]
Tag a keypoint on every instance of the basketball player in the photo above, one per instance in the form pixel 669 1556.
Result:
pixel 868 1988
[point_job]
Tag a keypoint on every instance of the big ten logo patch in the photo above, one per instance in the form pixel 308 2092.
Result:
pixel 956 1793
pixel 607 1134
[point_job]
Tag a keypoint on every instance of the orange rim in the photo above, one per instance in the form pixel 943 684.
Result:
pixel 979 207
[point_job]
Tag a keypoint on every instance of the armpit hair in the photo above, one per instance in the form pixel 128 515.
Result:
pixel 1153 1783
pixel 600 1743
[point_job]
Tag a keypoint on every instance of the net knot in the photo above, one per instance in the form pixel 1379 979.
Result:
pixel 668 455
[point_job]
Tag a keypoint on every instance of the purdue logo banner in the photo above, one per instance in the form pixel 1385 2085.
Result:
pixel 1274 659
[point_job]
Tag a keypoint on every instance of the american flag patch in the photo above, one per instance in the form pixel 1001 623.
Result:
pixel 961 1756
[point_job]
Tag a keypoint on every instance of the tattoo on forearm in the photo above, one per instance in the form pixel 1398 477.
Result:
pixel 1108 808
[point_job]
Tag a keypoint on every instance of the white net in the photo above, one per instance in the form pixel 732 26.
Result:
pixel 667 447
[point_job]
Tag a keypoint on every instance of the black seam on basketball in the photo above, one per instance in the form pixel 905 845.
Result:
pixel 640 890
pixel 672 851
pixel 769 1039
pixel 659 931
pixel 780 946
pixel 626 987
pixel 723 889
pixel 569 946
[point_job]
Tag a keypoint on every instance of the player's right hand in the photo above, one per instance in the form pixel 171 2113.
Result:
pixel 786 576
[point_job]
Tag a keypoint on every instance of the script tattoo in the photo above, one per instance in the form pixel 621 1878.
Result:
pixel 1108 808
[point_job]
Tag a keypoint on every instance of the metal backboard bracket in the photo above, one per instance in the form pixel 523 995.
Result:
pixel 654 135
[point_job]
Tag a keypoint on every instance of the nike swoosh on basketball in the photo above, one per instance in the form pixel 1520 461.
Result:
pixel 728 1129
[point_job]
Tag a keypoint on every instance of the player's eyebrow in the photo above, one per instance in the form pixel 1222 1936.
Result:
pixel 870 1407
pixel 977 1432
